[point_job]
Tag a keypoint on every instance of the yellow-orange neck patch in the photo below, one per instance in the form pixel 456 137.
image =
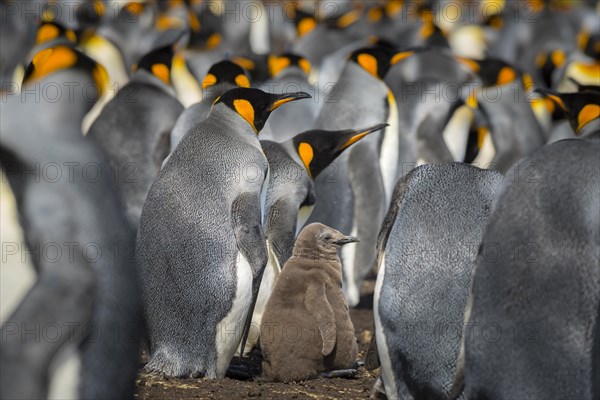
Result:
pixel 306 153
pixel 51 60
pixel 101 78
pixel 348 19
pixel 245 110
pixel 471 64
pixel 401 56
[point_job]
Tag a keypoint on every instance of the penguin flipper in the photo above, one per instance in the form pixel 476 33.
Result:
pixel 247 228
pixel 251 242
pixel 318 306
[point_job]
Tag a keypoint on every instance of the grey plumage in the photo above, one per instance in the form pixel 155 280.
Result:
pixel 201 248
pixel 81 209
pixel 533 326
pixel 426 247
pixel 133 130
pixel 345 199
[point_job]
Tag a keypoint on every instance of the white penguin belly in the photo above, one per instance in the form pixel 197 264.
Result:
pixel 388 159
pixel 303 214
pixel 65 375
pixel 456 133
pixel 387 374
pixel 229 329
pixel 486 153
pixel 351 290
pixel 266 288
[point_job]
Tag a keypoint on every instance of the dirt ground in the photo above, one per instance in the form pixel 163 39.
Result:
pixel 151 387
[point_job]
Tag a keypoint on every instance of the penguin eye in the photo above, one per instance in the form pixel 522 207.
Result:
pixel 327 237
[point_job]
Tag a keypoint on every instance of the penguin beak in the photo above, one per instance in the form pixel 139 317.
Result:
pixel 286 98
pixel 345 240
pixel 356 135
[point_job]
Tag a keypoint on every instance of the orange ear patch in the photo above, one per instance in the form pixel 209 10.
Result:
pixel 306 153
pixel 368 62
pixel 242 81
pixel 245 110
pixel 213 41
pixel 305 26
pixel 587 114
pixel 277 64
pixel 558 58
pixel 161 71
pixel 209 80
pixel 46 33
pixel 374 14
pixel 305 65
pixel 506 75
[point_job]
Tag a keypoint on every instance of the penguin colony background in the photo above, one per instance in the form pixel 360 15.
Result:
pixel 194 190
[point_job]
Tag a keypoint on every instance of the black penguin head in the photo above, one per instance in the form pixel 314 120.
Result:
pixel 303 21
pixel 374 60
pixel 279 63
pixel 89 14
pixel 226 71
pixel 52 30
pixel 58 58
pixel 589 43
pixel 158 62
pixel 254 105
pixel 494 72
pixel 317 240
pixel 548 62
pixel 319 148
pixel 581 109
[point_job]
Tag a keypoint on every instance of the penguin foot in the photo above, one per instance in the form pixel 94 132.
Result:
pixel 238 372
pixel 340 373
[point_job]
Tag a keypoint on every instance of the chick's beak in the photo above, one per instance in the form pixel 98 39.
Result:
pixel 346 239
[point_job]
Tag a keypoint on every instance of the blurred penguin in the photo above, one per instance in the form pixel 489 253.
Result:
pixel 134 129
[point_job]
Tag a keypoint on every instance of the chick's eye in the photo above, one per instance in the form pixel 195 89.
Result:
pixel 327 237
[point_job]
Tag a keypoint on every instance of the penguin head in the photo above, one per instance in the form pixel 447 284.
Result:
pixel 226 72
pixel 581 109
pixel 158 63
pixel 61 58
pixel 548 62
pixel 317 240
pixel 494 72
pixel 374 60
pixel 589 43
pixel 254 105
pixel 279 63
pixel 89 14
pixel 319 148
pixel 304 22
pixel 50 31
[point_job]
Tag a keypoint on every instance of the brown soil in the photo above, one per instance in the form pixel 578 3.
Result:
pixel 152 387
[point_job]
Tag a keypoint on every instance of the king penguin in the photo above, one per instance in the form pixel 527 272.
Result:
pixel 532 327
pixel 201 248
pixel 134 128
pixel 350 193
pixel 502 94
pixel 221 77
pixel 77 208
pixel 426 248
pixel 293 167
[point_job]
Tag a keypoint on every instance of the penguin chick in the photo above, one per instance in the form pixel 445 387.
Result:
pixel 306 328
